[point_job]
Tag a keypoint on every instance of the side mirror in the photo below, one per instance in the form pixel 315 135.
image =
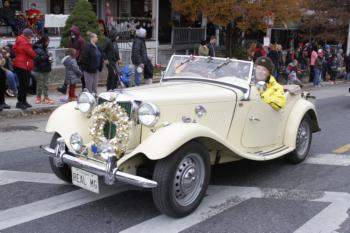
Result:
pixel 261 86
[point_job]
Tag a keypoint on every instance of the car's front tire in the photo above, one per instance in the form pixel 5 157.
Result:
pixel 64 173
pixel 303 142
pixel 183 178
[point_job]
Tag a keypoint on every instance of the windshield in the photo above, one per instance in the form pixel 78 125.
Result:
pixel 230 71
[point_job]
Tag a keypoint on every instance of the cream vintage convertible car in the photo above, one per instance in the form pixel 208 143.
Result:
pixel 166 136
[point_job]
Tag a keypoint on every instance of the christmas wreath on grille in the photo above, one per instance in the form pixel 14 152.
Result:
pixel 110 125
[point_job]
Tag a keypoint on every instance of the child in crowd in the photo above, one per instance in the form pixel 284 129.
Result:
pixel 293 73
pixel 42 69
pixel 73 73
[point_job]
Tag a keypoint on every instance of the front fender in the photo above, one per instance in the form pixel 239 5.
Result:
pixel 167 139
pixel 66 120
pixel 301 108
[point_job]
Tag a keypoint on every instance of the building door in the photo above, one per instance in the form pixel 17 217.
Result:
pixel 57 6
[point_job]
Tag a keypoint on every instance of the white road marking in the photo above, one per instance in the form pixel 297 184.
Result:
pixel 329 159
pixel 330 218
pixel 217 200
pixel 25 213
pixel 221 198
pixel 7 177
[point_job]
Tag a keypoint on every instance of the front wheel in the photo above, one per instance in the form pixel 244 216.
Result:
pixel 303 142
pixel 64 173
pixel 183 178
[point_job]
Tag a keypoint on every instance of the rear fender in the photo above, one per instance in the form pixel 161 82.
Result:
pixel 300 109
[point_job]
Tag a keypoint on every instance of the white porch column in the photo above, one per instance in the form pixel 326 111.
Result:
pixel 155 21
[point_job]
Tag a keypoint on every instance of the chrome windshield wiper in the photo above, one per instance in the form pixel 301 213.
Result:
pixel 190 58
pixel 221 65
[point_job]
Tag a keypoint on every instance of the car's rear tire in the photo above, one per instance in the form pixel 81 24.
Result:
pixel 303 142
pixel 64 173
pixel 183 178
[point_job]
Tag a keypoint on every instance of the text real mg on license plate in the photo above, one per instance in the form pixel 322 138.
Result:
pixel 85 180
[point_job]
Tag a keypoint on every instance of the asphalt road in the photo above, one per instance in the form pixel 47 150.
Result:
pixel 245 196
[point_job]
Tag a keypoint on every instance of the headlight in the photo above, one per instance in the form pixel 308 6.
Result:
pixel 86 102
pixel 148 114
pixel 76 142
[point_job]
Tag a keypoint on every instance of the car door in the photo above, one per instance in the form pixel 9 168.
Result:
pixel 262 124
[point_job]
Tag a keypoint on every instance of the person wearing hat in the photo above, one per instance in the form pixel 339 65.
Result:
pixel 140 58
pixel 112 59
pixel 273 94
pixel 23 65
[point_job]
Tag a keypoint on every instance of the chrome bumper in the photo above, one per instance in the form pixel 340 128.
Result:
pixel 108 170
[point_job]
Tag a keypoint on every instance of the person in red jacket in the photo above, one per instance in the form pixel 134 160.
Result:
pixel 23 65
pixel 33 14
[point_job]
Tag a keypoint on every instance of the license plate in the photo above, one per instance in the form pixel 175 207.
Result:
pixel 85 180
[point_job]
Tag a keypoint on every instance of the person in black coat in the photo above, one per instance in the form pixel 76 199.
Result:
pixel 139 57
pixel 273 55
pixel 92 61
pixel 8 15
pixel 111 54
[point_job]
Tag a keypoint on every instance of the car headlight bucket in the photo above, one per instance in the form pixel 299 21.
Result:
pixel 86 102
pixel 76 142
pixel 148 114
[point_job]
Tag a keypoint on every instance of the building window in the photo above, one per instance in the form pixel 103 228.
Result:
pixel 124 8
pixel 57 6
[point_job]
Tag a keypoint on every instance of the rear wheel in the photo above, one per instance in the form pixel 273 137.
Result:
pixel 183 179
pixel 303 142
pixel 64 173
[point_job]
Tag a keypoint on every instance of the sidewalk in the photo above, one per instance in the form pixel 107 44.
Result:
pixel 37 109
pixel 41 109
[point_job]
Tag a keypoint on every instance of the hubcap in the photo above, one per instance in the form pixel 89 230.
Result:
pixel 303 138
pixel 188 180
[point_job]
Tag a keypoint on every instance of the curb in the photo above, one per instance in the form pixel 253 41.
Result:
pixel 18 113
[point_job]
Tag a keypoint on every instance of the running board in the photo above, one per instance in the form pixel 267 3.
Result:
pixel 270 152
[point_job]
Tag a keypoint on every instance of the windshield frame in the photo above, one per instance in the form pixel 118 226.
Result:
pixel 242 84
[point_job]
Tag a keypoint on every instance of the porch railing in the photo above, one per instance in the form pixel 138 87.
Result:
pixel 187 37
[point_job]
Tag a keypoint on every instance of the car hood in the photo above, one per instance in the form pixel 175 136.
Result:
pixel 180 93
